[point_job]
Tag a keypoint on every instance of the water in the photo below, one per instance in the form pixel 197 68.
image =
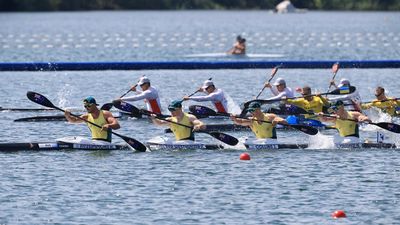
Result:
pixel 198 187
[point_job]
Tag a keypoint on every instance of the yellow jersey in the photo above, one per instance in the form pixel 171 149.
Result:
pixel 181 132
pixel 315 105
pixel 263 130
pixel 388 107
pixel 347 127
pixel 97 133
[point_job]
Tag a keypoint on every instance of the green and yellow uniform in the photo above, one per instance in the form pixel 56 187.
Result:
pixel 97 133
pixel 181 132
pixel 388 107
pixel 347 128
pixel 263 130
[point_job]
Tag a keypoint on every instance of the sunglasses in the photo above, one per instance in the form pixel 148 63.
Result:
pixel 87 105
pixel 171 109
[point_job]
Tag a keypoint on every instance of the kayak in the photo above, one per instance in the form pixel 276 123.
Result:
pixel 160 143
pixel 67 143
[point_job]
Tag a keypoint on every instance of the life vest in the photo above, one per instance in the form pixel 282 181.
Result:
pixel 97 133
pixel 181 132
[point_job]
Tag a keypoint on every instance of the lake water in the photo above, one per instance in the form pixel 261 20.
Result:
pixel 197 187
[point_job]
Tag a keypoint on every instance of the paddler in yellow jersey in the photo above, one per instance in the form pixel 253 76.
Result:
pixel 262 130
pixel 313 104
pixel 104 119
pixel 386 104
pixel 346 122
pixel 178 116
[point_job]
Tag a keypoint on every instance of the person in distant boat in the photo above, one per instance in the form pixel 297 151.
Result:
pixel 216 96
pixel 100 117
pixel 178 116
pixel 388 105
pixel 148 93
pixel 313 104
pixel 346 122
pixel 352 101
pixel 262 130
pixel 239 48
pixel 279 89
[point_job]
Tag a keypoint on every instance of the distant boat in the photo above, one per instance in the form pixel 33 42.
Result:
pixel 223 54
pixel 287 7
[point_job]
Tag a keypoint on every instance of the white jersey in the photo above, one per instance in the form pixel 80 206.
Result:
pixel 217 97
pixel 351 101
pixel 287 92
pixel 151 98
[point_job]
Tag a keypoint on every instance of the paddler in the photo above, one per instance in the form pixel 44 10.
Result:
pixel 279 89
pixel 312 104
pixel 148 93
pixel 388 105
pixel 215 95
pixel 239 48
pixel 352 101
pixel 178 116
pixel 262 130
pixel 346 122
pixel 100 117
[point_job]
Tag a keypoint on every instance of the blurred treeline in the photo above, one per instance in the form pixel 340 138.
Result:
pixel 73 5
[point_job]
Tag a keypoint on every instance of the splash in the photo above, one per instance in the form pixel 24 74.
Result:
pixel 321 141
pixel 232 106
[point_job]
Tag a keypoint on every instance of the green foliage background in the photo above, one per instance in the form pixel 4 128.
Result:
pixel 75 5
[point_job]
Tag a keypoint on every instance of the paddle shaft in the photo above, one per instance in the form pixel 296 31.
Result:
pixel 335 69
pixel 273 72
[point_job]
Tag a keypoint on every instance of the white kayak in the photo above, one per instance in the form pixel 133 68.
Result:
pixel 162 143
pixel 67 143
pixel 223 54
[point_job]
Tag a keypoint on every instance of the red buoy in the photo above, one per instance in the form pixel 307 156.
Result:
pixel 338 214
pixel 244 156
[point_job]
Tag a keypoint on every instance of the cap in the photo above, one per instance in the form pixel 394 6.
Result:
pixel 338 103
pixel 90 100
pixel 344 81
pixel 175 104
pixel 207 84
pixel 253 106
pixel 280 81
pixel 143 80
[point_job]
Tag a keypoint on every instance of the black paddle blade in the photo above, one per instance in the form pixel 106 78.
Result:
pixel 395 128
pixel 39 99
pixel 137 145
pixel 343 90
pixel 124 106
pixel 306 129
pixel 201 111
pixel 107 106
pixel 226 138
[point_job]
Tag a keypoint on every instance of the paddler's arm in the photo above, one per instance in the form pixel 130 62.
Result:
pixel 325 118
pixel 73 119
pixel 360 117
pixel 111 121
pixel 276 119
pixel 197 124
pixel 240 121
pixel 159 122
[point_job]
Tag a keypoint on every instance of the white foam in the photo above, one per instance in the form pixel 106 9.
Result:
pixel 320 141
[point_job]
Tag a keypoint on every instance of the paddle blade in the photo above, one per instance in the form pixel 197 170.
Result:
pixel 343 90
pixel 395 128
pixel 40 99
pixel 133 143
pixel 226 138
pixel 107 106
pixel 201 111
pixel 306 129
pixel 124 106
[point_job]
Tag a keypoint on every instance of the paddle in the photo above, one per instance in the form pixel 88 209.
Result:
pixel 335 69
pixel 124 106
pixel 205 110
pixel 386 100
pixel 109 105
pixel 273 72
pixel 395 128
pixel 339 91
pixel 42 100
